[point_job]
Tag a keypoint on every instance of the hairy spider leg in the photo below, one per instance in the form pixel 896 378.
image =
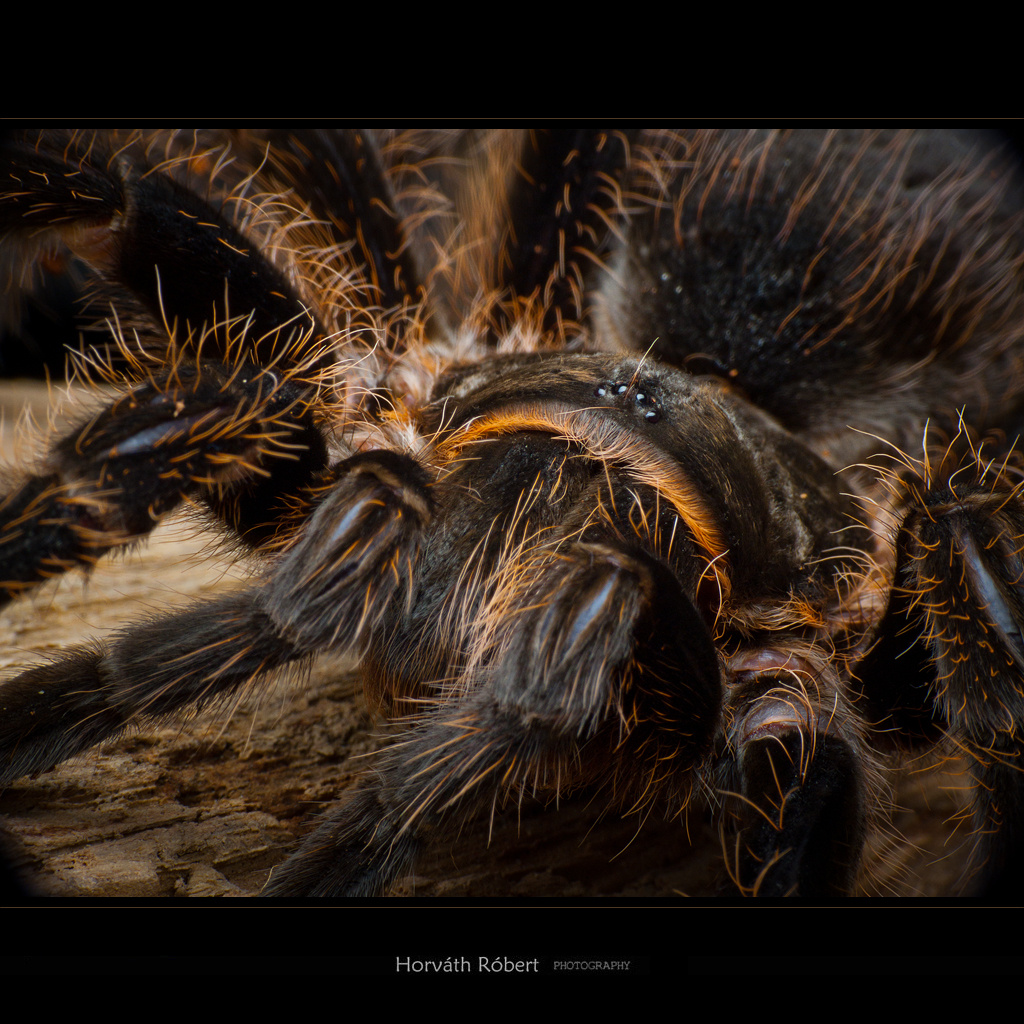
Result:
pixel 803 778
pixel 601 673
pixel 950 652
pixel 227 410
pixel 330 590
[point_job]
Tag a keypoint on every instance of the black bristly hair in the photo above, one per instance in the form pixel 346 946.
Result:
pixel 597 448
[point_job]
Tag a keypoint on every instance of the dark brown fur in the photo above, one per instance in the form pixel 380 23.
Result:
pixel 570 471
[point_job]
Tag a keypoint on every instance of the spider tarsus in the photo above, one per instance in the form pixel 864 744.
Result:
pixel 355 852
pixel 949 655
pixel 240 443
pixel 54 711
pixel 154 668
pixel 805 820
pixel 40 537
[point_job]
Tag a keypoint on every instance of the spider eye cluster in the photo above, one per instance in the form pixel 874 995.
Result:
pixel 633 396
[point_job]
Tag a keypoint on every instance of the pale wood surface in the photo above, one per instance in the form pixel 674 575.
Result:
pixel 208 807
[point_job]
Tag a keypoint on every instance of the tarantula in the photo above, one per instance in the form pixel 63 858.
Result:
pixel 675 466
